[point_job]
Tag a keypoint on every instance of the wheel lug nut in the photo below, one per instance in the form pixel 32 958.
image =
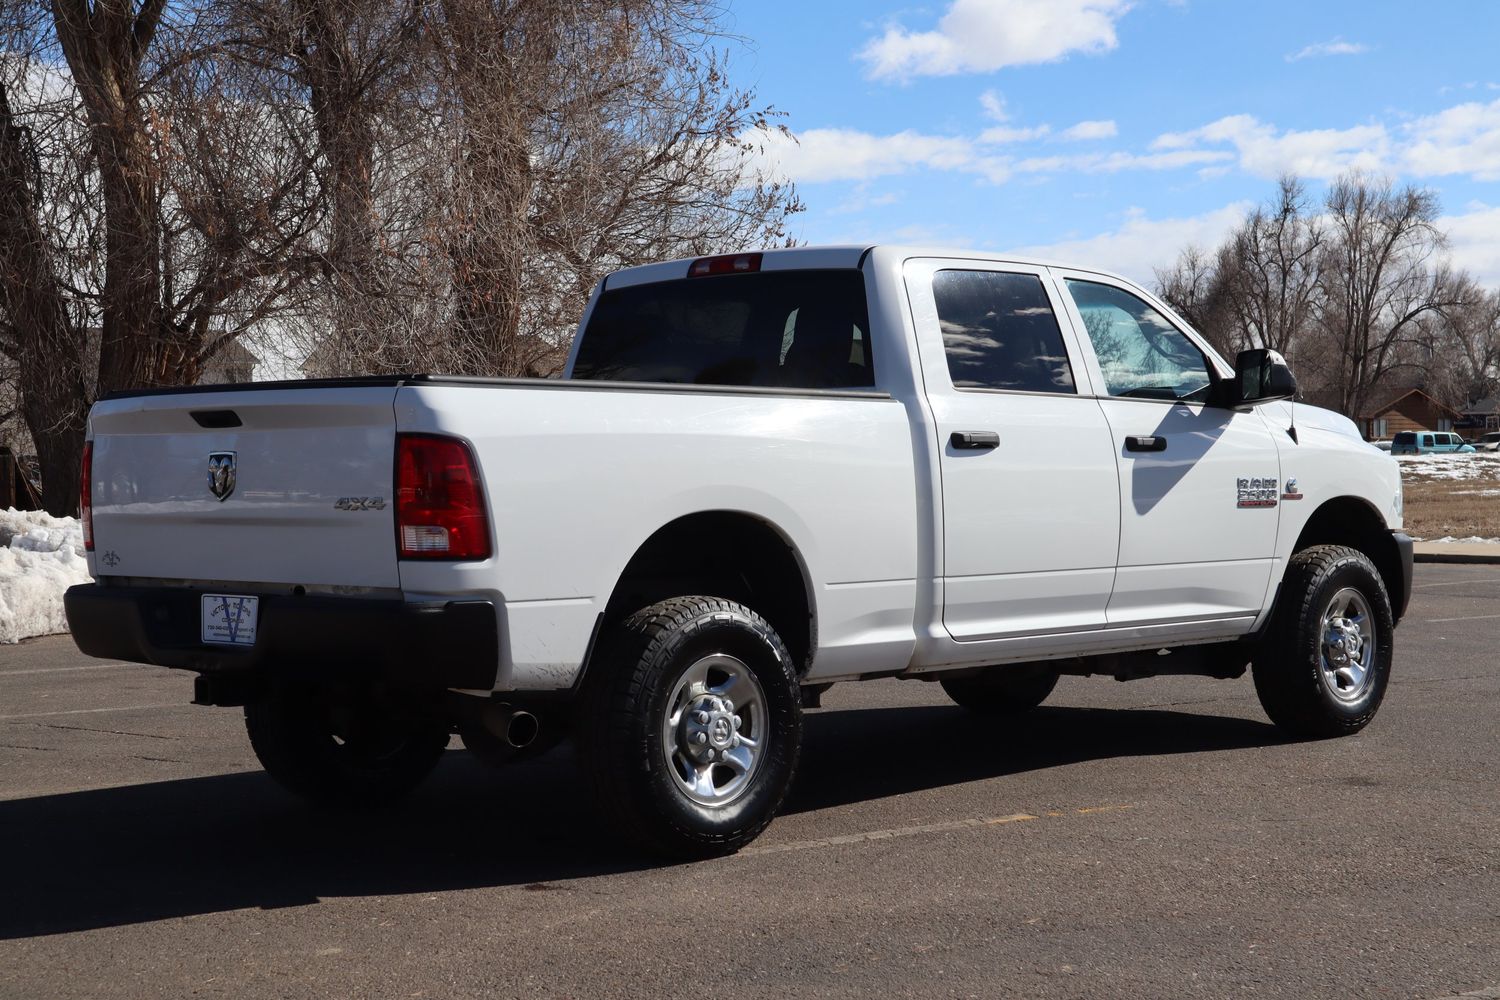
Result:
pixel 734 740
pixel 701 738
pixel 736 723
pixel 728 705
pixel 702 718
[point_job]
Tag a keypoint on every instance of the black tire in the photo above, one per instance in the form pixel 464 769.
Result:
pixel 639 763
pixel 1006 690
pixel 358 755
pixel 1296 677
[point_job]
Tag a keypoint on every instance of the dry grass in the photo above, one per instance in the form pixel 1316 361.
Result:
pixel 1455 496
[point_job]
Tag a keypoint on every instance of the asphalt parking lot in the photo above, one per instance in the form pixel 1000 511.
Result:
pixel 1151 839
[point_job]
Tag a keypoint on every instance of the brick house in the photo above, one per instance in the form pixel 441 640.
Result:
pixel 1406 410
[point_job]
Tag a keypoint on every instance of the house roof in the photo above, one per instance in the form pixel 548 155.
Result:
pixel 1489 404
pixel 1374 411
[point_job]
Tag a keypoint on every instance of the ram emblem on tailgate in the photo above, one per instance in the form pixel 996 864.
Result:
pixel 221 473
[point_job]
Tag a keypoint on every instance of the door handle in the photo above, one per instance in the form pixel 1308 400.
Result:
pixel 1135 443
pixel 974 440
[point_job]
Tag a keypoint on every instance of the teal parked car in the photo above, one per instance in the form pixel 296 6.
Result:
pixel 1429 443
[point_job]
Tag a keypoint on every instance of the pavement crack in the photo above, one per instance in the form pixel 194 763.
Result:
pixel 111 732
pixel 22 746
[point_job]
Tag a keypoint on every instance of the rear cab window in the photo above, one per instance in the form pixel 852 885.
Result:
pixel 798 329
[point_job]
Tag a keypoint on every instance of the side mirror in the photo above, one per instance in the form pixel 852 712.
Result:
pixel 1261 376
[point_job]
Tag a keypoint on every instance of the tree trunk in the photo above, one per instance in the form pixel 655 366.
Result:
pixel 103 45
pixel 54 403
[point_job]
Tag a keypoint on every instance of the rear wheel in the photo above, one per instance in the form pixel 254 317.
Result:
pixel 1010 690
pixel 693 728
pixel 1324 665
pixel 348 754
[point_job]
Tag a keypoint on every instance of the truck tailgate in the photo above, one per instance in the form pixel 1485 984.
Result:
pixel 273 486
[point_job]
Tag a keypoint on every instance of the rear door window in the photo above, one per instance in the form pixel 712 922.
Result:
pixel 794 329
pixel 999 332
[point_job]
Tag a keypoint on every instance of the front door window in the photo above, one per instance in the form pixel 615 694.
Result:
pixel 1141 354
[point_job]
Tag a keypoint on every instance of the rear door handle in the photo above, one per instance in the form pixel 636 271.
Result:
pixel 974 440
pixel 1134 443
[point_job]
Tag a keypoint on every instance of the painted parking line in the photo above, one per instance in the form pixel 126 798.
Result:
pixel 1468 582
pixel 67 670
pixel 1465 618
pixel 95 711
pixel 915 831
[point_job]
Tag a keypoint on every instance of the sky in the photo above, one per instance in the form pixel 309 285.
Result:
pixel 1112 133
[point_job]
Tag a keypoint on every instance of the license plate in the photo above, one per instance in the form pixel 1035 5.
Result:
pixel 229 619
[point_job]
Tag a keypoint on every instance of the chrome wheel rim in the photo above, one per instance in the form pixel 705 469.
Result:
pixel 715 730
pixel 1346 653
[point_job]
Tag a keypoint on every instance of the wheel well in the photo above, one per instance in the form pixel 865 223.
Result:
pixel 723 554
pixel 1353 522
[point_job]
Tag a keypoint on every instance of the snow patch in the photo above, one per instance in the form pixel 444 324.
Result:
pixel 1453 465
pixel 40 557
pixel 1471 540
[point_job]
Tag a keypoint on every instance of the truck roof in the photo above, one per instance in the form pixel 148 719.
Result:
pixel 835 256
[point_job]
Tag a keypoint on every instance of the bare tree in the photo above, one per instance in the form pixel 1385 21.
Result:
pixel 1379 277
pixel 582 137
pixel 1273 265
pixel 152 211
pixel 1457 348
pixel 36 330
pixel 353 67
pixel 1194 286
pixel 1260 287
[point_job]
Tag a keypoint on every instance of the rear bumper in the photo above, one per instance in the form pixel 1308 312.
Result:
pixel 455 644
pixel 1405 547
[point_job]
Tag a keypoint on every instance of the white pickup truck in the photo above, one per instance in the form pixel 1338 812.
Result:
pixel 761 474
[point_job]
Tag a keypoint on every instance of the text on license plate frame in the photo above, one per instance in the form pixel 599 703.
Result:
pixel 228 619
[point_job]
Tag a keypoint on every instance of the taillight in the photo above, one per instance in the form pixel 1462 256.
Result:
pixel 733 263
pixel 86 496
pixel 439 503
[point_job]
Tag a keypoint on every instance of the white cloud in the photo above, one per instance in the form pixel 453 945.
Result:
pixel 1461 140
pixel 1142 243
pixel 1333 47
pixel 861 200
pixel 1474 241
pixel 993 103
pixel 1110 163
pixel 981 36
pixel 1464 139
pixel 837 154
pixel 1084 131
pixel 999 135
pixel 1265 152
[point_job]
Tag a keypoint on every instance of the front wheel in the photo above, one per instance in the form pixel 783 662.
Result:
pixel 693 729
pixel 1323 667
pixel 355 754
